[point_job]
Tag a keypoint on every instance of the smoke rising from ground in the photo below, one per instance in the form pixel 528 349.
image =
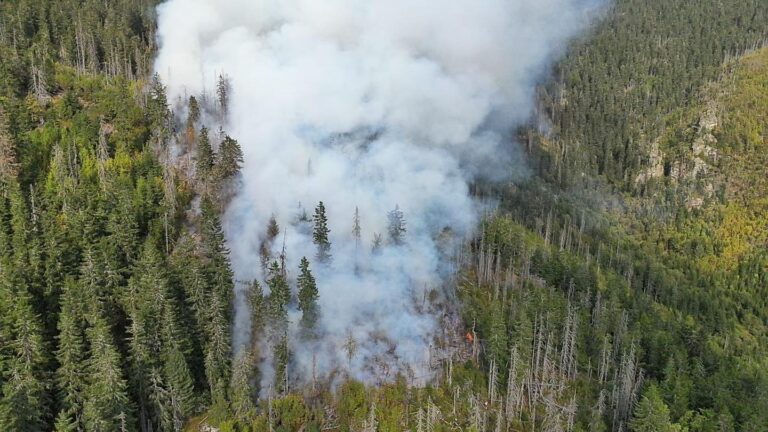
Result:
pixel 370 105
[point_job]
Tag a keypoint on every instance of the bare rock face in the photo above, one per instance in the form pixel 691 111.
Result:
pixel 708 120
pixel 655 164
pixel 694 169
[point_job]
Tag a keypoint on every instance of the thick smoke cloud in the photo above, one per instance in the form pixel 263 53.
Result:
pixel 365 104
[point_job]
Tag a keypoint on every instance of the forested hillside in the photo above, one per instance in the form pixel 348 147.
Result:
pixel 622 287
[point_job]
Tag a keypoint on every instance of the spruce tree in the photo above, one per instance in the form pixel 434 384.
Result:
pixel 218 352
pixel 356 230
pixel 230 159
pixel 222 95
pixel 320 234
pixel 279 294
pixel 179 385
pixel 205 156
pixel 258 306
pixel 281 361
pixel 107 405
pixel 193 115
pixel 308 295
pixel 24 404
pixel 241 392
pixel 652 414
pixel 396 227
pixel 215 250
pixel 71 376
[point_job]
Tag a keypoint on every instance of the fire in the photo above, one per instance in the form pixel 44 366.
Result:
pixel 469 337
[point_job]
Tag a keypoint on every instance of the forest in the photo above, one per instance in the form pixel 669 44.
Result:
pixel 623 286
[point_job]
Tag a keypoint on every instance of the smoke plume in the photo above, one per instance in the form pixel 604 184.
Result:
pixel 370 105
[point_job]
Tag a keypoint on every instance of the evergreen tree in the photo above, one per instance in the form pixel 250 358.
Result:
pixel 218 352
pixel 71 354
pixel 180 387
pixel 279 294
pixel 320 234
pixel 376 243
pixel 222 94
pixel 258 311
pixel 214 247
pixel 281 361
pixel 107 406
pixel 205 156
pixel 242 395
pixel 356 230
pixel 24 403
pixel 396 227
pixel 652 414
pixel 158 106
pixel 230 159
pixel 193 115
pixel 308 295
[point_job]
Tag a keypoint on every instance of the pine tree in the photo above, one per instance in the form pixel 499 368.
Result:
pixel 376 243
pixel 158 106
pixel 222 95
pixel 230 159
pixel 258 310
pixel 356 230
pixel 279 294
pixel 320 234
pixel 497 337
pixel 218 267
pixel 24 402
pixel 281 361
pixel 218 352
pixel 193 115
pixel 180 387
pixel 205 156
pixel 396 227
pixel 308 295
pixel 242 395
pixel 652 414
pixel 71 354
pixel 107 406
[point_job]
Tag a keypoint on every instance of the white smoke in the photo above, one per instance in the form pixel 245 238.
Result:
pixel 367 104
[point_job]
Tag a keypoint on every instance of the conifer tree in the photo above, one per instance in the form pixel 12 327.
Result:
pixel 230 159
pixel 308 295
pixel 376 243
pixel 193 115
pixel 242 394
pixel 107 406
pixel 218 352
pixel 396 227
pixel 281 361
pixel 258 310
pixel 179 385
pixel 222 95
pixel 218 267
pixel 320 234
pixel 205 156
pixel 24 403
pixel 158 106
pixel 652 414
pixel 356 230
pixel 279 294
pixel 71 375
